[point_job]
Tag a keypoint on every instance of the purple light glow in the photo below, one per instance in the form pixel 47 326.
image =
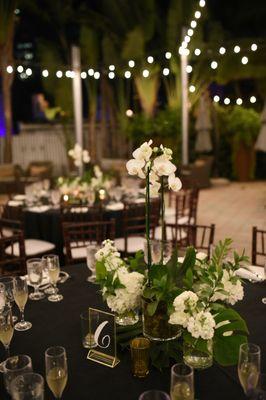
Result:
pixel 2 120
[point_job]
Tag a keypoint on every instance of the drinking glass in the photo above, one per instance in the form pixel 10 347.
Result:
pixel 2 296
pixel 46 259
pixel 182 382
pixel 53 268
pixel 28 386
pixel 8 282
pixel 154 395
pixel 21 297
pixel 55 197
pixel 91 197
pixel 34 269
pixel 140 355
pixel 264 298
pixel 160 251
pixel 15 366
pixel 87 338
pixel 56 370
pixel 6 331
pixel 91 261
pixel 249 366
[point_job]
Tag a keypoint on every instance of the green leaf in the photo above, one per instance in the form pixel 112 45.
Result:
pixel 231 315
pixel 188 281
pixel 100 270
pixel 226 349
pixel 152 307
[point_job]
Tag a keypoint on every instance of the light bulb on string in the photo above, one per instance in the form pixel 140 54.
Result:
pixel 111 67
pixel 9 69
pixel 166 71
pixel 111 75
pixel 216 98
pixel 214 64
pixel 183 51
pixel 20 69
pixel 90 71
pixel 68 74
pixel 193 24
pixel 131 63
pixel 150 59
pixel 222 50
pixel 237 49
pixel 45 73
pixel 129 113
pixel 226 101
pixel 28 71
pixel 168 55
pixel 145 73
pixel 252 99
pixel 202 3
pixel 197 52
pixel 83 75
pixel 184 45
pixel 59 74
pixel 192 88
pixel 244 60
pixel 127 74
pixel 197 14
pixel 254 47
pixel 96 75
pixel 239 101
pixel 189 69
pixel 190 32
pixel 187 39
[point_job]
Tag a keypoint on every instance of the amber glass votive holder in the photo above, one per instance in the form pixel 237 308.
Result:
pixel 140 356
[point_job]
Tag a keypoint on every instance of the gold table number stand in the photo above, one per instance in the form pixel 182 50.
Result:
pixel 102 329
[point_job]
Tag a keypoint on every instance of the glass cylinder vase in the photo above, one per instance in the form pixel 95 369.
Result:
pixel 157 327
pixel 198 359
pixel 127 318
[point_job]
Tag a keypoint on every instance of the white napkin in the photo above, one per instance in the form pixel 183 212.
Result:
pixel 115 206
pixel 252 273
pixel 39 209
pixel 20 197
pixel 140 200
pixel 79 209
pixel 15 203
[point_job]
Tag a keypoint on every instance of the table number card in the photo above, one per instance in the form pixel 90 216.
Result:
pixel 102 331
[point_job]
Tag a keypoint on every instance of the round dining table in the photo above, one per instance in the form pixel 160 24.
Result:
pixel 59 324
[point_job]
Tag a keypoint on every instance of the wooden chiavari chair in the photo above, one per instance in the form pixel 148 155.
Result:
pixel 183 206
pixel 77 213
pixel 258 246
pixel 77 236
pixel 13 261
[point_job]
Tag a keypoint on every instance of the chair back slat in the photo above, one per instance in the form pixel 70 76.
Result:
pixel 13 262
pixel 258 246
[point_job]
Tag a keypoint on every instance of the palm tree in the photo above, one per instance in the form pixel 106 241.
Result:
pixel 7 24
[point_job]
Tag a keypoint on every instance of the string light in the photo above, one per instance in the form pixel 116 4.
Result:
pixel 222 50
pixel 9 69
pixel 20 69
pixel 192 88
pixel 190 32
pixel 111 67
pixel 184 45
pixel 90 71
pixel 244 60
pixel 129 113
pixel 45 73
pixel 96 75
pixel 131 63
pixel 150 59
pixel 145 73
pixel 193 24
pixel 254 47
pixel 111 75
pixel 127 74
pixel 197 52
pixel 166 71
pixel 83 75
pixel 197 14
pixel 168 55
pixel 252 99
pixel 189 69
pixel 216 99
pixel 226 101
pixel 183 51
pixel 202 3
pixel 68 74
pixel 239 101
pixel 214 64
pixel 59 74
pixel 237 49
pixel 187 39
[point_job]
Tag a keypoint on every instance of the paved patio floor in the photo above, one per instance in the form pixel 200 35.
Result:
pixel 234 209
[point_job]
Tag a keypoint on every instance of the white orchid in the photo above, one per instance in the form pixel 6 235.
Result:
pixel 135 166
pixel 162 166
pixel 174 183
pixel 144 152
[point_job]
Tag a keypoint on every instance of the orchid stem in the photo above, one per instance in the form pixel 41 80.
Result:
pixel 162 218
pixel 148 222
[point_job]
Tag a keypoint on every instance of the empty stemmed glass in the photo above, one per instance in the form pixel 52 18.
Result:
pixel 35 275
pixel 182 382
pixel 6 331
pixel 53 267
pixel 249 366
pixel 21 297
pixel 91 261
pixel 56 370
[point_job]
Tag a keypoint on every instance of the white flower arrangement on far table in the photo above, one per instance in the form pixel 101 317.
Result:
pixel 79 156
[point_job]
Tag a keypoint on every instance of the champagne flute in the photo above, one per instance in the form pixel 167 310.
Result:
pixel 264 298
pixel 2 296
pixel 21 297
pixel 8 282
pixel 56 370
pixel 249 366
pixel 27 386
pixel 34 269
pixel 6 331
pixel 53 267
pixel 91 261
pixel 182 382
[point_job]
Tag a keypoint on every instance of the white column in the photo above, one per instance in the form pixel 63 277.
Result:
pixel 77 97
pixel 185 110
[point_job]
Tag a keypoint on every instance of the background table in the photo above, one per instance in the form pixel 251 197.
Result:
pixel 59 324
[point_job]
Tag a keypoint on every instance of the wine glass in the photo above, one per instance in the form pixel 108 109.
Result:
pixel 8 282
pixel 161 251
pixel 53 267
pixel 154 395
pixel 15 366
pixel 21 297
pixel 91 197
pixel 264 298
pixel 2 296
pixel 34 269
pixel 46 259
pixel 91 261
pixel 55 197
pixel 56 370
pixel 6 331
pixel 28 386
pixel 249 366
pixel 182 382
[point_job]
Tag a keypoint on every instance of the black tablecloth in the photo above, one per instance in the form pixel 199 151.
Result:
pixel 59 324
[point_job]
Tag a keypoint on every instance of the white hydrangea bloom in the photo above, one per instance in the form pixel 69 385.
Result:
pixel 179 318
pixel 201 256
pixel 79 155
pixel 185 301
pixel 235 291
pixel 110 256
pixel 201 325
